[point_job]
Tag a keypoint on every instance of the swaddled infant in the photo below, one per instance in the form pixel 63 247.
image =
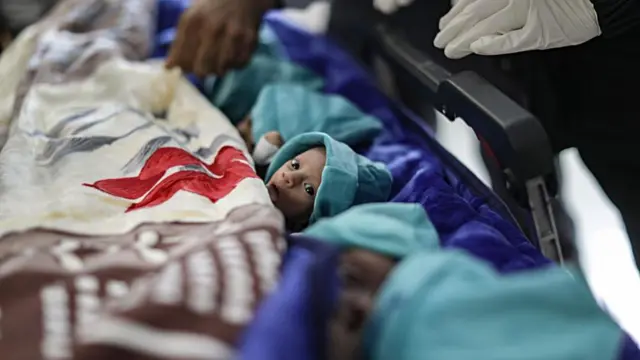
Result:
pixel 395 293
pixel 304 138
pixel 313 176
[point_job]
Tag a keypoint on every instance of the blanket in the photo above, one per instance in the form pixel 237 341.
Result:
pixel 98 142
pixel 178 291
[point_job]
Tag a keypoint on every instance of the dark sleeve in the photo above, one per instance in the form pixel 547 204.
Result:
pixel 617 17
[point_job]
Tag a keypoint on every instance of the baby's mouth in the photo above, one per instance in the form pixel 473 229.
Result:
pixel 273 192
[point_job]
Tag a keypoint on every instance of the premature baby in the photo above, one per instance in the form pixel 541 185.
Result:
pixel 403 296
pixel 303 141
pixel 313 176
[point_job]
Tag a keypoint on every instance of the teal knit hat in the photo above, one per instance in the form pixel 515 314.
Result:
pixel 393 229
pixel 236 93
pixel 445 304
pixel 294 109
pixel 348 179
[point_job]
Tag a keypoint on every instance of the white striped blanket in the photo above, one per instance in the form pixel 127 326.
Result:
pixel 132 222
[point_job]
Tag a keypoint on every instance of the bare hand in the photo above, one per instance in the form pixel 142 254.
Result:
pixel 215 36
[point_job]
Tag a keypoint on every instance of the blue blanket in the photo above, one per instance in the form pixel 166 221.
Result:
pixel 466 214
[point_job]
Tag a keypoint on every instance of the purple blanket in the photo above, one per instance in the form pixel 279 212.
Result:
pixel 421 174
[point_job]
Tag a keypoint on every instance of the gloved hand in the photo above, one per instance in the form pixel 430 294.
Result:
pixel 494 27
pixel 215 36
pixel 390 6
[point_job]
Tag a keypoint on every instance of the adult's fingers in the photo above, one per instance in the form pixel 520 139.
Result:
pixel 457 8
pixel 208 52
pixel 227 46
pixel 466 20
pixel 245 45
pixel 509 43
pixel 385 6
pixel 499 23
pixel 178 43
pixel 456 26
pixel 185 46
pixel 249 47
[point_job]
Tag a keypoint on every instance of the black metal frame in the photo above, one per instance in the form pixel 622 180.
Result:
pixel 515 137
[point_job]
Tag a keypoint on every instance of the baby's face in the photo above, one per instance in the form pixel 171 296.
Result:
pixel 362 273
pixel 293 187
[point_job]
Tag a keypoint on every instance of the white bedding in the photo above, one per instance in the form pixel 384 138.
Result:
pixel 91 112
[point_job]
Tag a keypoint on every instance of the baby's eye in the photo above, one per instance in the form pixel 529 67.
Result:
pixel 295 164
pixel 309 189
pixel 348 278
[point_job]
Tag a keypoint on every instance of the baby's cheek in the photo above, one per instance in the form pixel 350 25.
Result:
pixel 295 211
pixel 286 206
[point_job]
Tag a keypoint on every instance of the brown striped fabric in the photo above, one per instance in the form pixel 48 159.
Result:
pixel 178 291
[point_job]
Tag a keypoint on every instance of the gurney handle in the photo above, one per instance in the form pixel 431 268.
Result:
pixel 515 137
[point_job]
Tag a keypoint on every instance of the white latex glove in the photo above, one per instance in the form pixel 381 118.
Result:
pixel 314 18
pixel 495 27
pixel 390 6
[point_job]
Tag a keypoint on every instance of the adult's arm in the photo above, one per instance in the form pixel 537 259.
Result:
pixel 617 17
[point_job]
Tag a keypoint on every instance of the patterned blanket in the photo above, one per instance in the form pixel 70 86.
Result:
pixel 161 291
pixel 132 222
pixel 96 142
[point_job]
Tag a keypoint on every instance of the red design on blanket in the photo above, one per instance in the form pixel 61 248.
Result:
pixel 228 168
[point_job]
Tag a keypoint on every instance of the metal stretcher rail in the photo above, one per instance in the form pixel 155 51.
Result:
pixel 514 136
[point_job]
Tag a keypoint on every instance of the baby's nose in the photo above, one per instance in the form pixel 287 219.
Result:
pixel 291 178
